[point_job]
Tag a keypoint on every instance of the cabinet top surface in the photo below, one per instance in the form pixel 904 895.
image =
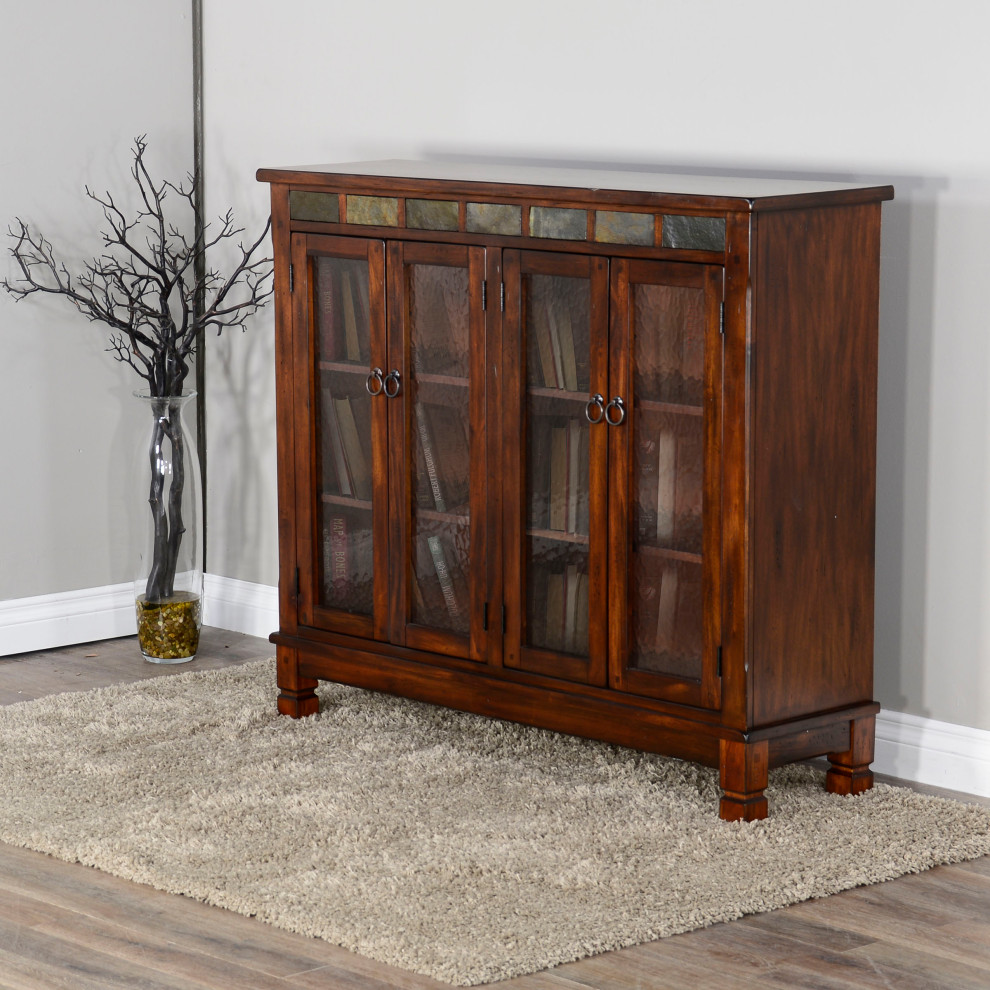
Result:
pixel 747 191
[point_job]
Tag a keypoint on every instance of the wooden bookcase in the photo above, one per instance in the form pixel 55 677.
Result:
pixel 592 451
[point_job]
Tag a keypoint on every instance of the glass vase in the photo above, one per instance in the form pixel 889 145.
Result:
pixel 168 587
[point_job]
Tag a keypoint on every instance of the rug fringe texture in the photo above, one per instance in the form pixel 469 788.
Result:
pixel 462 848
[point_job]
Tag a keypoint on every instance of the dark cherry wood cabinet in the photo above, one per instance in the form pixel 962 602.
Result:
pixel 592 451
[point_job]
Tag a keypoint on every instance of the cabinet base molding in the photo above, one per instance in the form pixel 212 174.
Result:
pixel 742 758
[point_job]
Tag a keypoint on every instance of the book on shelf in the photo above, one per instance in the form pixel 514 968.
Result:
pixel 568 478
pixel 572 607
pixel 538 478
pixel 446 457
pixel 554 637
pixel 577 477
pixel 443 576
pixel 550 326
pixel 431 494
pixel 581 622
pixel 557 516
pixel 348 564
pixel 666 461
pixel 337 556
pixel 349 310
pixel 562 343
pixel 566 611
pixel 334 459
pixel 538 327
pixel 326 309
pixel 354 451
pixel 666 630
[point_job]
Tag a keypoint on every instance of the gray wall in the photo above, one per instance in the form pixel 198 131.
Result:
pixel 80 80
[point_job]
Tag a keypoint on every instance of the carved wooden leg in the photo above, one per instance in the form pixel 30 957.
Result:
pixel 850 771
pixel 743 769
pixel 296 694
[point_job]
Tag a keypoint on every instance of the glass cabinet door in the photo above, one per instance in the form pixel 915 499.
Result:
pixel 666 368
pixel 555 334
pixel 437 341
pixel 341 302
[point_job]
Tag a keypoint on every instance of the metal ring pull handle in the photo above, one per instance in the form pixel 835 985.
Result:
pixel 375 376
pixel 610 418
pixel 393 380
pixel 596 400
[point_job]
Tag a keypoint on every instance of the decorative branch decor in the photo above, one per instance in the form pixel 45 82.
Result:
pixel 152 286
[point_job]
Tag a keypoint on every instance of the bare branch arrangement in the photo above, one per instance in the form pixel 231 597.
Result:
pixel 144 284
pixel 152 286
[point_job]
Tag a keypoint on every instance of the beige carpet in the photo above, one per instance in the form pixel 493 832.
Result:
pixel 461 848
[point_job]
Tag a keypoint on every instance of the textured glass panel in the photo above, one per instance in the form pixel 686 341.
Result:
pixel 559 223
pixel 694 233
pixel 376 211
pixel 431 214
pixel 343 422
pixel 494 218
pixel 614 227
pixel 321 207
pixel 439 395
pixel 669 323
pixel 668 474
pixel 668 479
pixel 557 326
pixel 556 323
pixel 669 621
pixel 341 310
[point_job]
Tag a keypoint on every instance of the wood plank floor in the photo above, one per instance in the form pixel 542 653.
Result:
pixel 68 926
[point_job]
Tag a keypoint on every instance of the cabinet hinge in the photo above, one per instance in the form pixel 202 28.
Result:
pixel 501 296
pixel 721 317
pixel 295 593
pixel 292 279
pixel 484 294
pixel 718 662
pixel 503 620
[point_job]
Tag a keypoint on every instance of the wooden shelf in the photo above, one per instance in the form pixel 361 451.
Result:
pixel 649 550
pixel 346 501
pixel 345 367
pixel 558 536
pixel 669 408
pixel 445 381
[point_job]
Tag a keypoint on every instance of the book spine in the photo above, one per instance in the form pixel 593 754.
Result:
pixel 339 556
pixel 667 610
pixel 426 439
pixel 666 479
pixel 326 311
pixel 335 443
pixel 443 575
pixel 354 453
pixel 352 349
pixel 558 478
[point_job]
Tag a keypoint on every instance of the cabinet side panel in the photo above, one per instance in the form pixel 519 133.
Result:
pixel 284 408
pixel 813 459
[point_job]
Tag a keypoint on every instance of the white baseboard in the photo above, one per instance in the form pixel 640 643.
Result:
pixel 240 606
pixel 912 748
pixel 49 621
pixel 926 751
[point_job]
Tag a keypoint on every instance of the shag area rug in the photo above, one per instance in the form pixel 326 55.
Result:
pixel 462 848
